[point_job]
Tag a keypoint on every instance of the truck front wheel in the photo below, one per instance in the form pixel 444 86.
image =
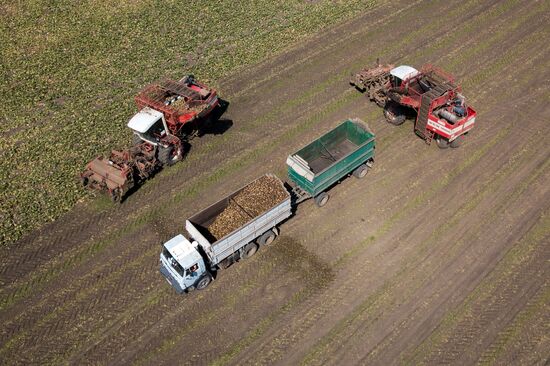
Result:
pixel 204 282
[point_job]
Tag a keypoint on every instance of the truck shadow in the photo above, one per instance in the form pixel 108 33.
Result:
pixel 290 254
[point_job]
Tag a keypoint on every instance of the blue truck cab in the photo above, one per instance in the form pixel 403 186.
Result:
pixel 182 265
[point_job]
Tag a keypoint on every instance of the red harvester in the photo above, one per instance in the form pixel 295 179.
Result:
pixel 431 94
pixel 168 114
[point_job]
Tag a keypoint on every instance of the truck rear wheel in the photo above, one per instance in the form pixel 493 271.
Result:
pixel 267 238
pixel 361 171
pixel 321 199
pixel 249 250
pixel 204 282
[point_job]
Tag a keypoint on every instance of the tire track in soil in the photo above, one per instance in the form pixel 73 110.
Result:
pixel 424 295
pixel 337 295
pixel 533 326
pixel 15 267
pixel 30 264
pixel 313 306
pixel 27 267
pixel 519 278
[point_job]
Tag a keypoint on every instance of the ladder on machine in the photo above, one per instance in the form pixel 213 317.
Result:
pixel 425 106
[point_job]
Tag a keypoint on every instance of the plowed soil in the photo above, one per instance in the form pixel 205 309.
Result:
pixel 435 257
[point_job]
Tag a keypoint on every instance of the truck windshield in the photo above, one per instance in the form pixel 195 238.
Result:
pixel 172 261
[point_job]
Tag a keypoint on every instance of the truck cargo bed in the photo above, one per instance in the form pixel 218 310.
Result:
pixel 240 218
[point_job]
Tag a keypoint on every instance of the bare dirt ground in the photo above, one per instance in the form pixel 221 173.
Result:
pixel 436 257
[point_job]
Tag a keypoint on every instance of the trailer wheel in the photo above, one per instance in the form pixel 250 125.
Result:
pixel 321 199
pixel 169 155
pixel 457 142
pixel 442 142
pixel 204 282
pixel 394 113
pixel 249 250
pixel 361 171
pixel 267 238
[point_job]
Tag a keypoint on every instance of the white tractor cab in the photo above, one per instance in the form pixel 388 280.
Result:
pixel 148 125
pixel 183 266
pixel 401 73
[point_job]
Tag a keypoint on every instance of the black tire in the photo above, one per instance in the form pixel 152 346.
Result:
pixel 136 140
pixel 394 113
pixel 321 199
pixel 116 195
pixel 84 181
pixel 203 282
pixel 457 142
pixel 168 156
pixel 266 238
pixel 249 250
pixel 361 171
pixel 442 142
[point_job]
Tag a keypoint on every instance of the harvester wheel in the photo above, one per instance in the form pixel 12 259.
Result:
pixel 361 171
pixel 457 142
pixel 169 155
pixel 394 114
pixel 204 282
pixel 116 195
pixel 249 250
pixel 321 199
pixel 442 142
pixel 84 181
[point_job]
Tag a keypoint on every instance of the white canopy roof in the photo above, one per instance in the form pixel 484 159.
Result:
pixel 404 72
pixel 144 119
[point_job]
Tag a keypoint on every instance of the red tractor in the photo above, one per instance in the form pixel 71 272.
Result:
pixel 430 95
pixel 168 115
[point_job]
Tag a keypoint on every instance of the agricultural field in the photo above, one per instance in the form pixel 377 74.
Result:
pixel 70 71
pixel 436 257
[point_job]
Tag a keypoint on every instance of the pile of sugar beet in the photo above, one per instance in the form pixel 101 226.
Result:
pixel 253 200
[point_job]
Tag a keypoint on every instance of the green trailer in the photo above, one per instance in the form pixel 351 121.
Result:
pixel 347 149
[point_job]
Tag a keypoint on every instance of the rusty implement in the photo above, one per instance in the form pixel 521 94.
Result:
pixel 121 171
pixel 372 80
